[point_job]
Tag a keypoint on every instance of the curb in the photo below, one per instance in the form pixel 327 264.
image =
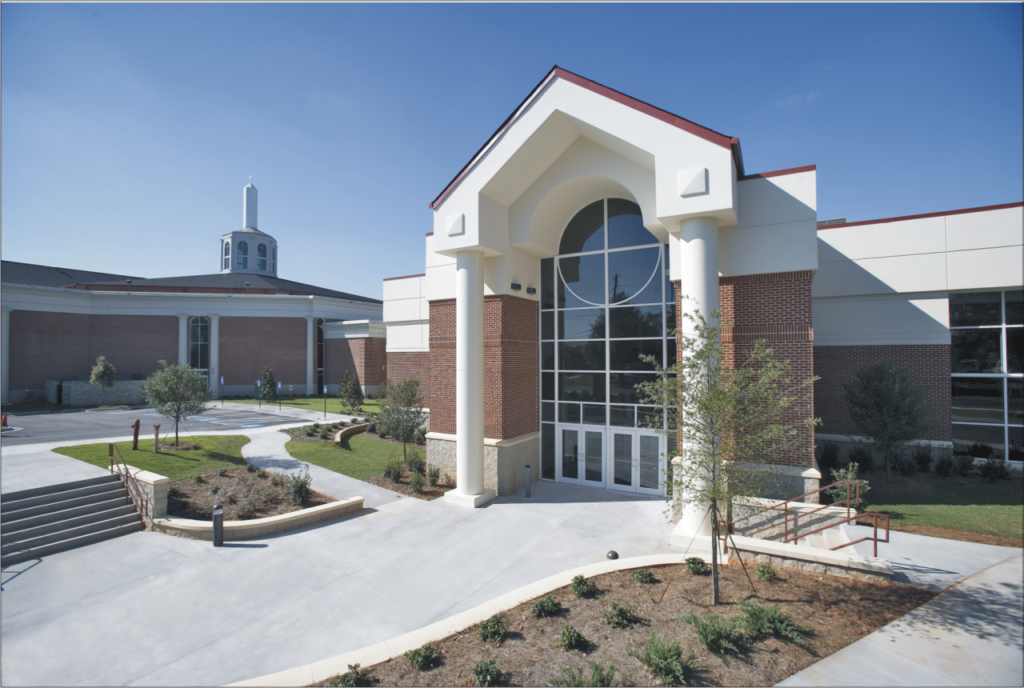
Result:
pixel 389 649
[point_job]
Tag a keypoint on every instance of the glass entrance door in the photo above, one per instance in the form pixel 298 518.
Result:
pixel 636 461
pixel 581 455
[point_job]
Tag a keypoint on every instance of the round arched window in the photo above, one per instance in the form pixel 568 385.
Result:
pixel 243 254
pixel 227 255
pixel 261 257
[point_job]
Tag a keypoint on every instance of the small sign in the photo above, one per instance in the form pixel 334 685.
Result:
pixel 325 389
pixel 222 379
pixel 279 386
pixel 258 383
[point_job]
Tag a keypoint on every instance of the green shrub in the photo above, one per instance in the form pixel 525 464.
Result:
pixel 963 464
pixel 571 639
pixel 261 473
pixel 665 661
pixel 598 676
pixel 298 487
pixel 197 479
pixel 277 480
pixel 715 632
pixel 905 465
pixel 415 462
pixel 994 469
pixel 766 573
pixel 620 617
pixel 249 468
pixel 980 450
pixel 222 472
pixel 763 620
pixel 546 606
pixel 423 658
pixel 838 492
pixel 372 427
pixel 644 576
pixel 393 470
pixel 421 436
pixel 352 677
pixel 583 587
pixel 863 457
pixel 173 491
pixel 433 475
pixel 923 458
pixel 487 673
pixel 944 466
pixel 215 489
pixel 492 629
pixel 309 430
pixel 231 497
pixel 417 482
pixel 696 566
pixel 829 458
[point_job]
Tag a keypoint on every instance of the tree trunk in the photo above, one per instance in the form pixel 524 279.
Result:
pixel 714 553
pixel 175 432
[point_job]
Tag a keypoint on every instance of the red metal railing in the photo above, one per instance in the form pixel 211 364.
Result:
pixel 135 491
pixel 852 499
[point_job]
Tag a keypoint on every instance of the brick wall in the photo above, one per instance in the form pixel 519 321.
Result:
pixel 775 307
pixel 134 343
pixel 511 365
pixel 375 361
pixel 929 363
pixel 365 356
pixel 249 344
pixel 338 360
pixel 402 365
pixel 49 346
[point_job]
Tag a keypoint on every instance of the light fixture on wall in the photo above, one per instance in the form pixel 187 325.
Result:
pixel 531 290
pixel 516 286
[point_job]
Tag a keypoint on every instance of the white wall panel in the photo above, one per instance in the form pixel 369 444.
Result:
pixel 910 237
pixel 985 230
pixel 408 337
pixel 989 268
pixel 407 288
pixel 402 310
pixel 921 273
pixel 761 250
pixel 881 319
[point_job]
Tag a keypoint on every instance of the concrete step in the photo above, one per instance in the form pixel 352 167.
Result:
pixel 14 557
pixel 11 524
pixel 61 495
pixel 49 489
pixel 109 496
pixel 71 533
pixel 68 523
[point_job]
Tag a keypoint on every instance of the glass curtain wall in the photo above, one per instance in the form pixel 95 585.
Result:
pixel 606 299
pixel 986 331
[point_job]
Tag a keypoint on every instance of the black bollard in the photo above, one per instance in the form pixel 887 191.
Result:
pixel 527 480
pixel 218 525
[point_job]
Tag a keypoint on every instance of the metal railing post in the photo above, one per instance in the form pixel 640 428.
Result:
pixel 528 480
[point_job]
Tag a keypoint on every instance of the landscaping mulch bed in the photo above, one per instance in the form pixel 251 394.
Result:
pixel 838 610
pixel 178 446
pixel 428 493
pixel 264 492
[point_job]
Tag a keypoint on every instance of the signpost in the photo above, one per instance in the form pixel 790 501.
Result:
pixel 221 390
pixel 325 401
pixel 278 395
pixel 258 399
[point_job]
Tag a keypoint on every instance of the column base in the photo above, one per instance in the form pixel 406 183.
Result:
pixel 468 501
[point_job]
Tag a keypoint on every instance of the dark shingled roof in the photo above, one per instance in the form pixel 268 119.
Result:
pixel 12 272
pixel 41 275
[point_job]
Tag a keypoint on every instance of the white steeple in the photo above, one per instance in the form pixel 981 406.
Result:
pixel 249 206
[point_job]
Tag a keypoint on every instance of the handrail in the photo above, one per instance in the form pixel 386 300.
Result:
pixel 874 517
pixel 135 492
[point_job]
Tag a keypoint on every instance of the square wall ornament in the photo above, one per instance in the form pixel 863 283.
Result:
pixel 693 182
pixel 456 225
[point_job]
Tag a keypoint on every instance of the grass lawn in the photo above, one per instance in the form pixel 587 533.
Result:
pixel 957 503
pixel 358 457
pixel 220 451
pixel 313 404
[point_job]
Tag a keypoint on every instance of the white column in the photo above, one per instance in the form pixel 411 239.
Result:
pixel 5 372
pixel 182 339
pixel 310 348
pixel 698 268
pixel 215 355
pixel 469 382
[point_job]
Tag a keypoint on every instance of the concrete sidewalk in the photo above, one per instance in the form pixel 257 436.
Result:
pixel 969 635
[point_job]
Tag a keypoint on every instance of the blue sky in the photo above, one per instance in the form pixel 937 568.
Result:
pixel 128 131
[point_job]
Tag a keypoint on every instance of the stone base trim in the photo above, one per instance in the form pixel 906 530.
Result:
pixel 469 501
pixel 396 647
pixel 505 461
pixel 257 527
pixel 154 488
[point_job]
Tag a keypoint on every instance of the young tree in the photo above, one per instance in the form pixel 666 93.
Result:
pixel 268 385
pixel 350 392
pixel 888 405
pixel 730 420
pixel 401 411
pixel 103 376
pixel 176 392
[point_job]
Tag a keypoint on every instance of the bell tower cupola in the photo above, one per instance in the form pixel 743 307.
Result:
pixel 248 250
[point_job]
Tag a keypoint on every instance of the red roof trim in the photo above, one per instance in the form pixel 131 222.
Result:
pixel 430 234
pixel 778 173
pixel 388 279
pixel 919 217
pixel 646 108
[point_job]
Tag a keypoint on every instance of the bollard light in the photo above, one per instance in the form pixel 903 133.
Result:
pixel 613 554
pixel 218 525
pixel 527 480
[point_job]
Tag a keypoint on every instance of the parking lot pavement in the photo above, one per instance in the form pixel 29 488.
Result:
pixel 86 425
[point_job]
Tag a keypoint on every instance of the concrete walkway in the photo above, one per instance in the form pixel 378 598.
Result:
pixel 149 609
pixel 969 635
